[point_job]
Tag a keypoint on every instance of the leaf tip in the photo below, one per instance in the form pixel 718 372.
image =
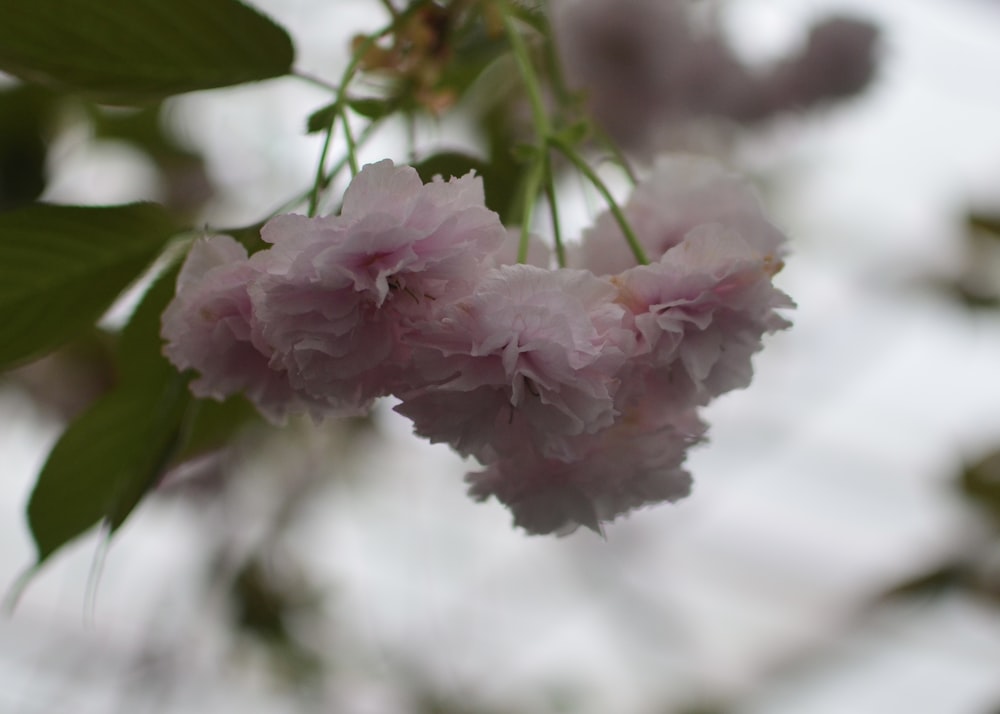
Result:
pixel 13 595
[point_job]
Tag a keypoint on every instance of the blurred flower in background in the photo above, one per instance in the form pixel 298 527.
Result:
pixel 646 66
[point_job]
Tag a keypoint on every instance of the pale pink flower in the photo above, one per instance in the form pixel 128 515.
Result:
pixel 699 314
pixel 635 462
pixel 340 290
pixel 682 193
pixel 529 357
pixel 210 327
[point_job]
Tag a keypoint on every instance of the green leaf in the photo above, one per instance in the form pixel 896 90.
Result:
pixel 321 119
pixel 475 49
pixel 163 425
pixel 447 164
pixel 213 424
pixel 985 223
pixel 504 187
pixel 116 451
pixel 372 108
pixel 533 16
pixel 139 355
pixel 575 134
pixel 248 236
pixel 525 153
pixel 122 51
pixel 103 463
pixel 938 580
pixel 981 483
pixel 25 115
pixel 61 267
pixel 498 185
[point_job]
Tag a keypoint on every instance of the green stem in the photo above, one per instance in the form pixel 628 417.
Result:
pixel 527 72
pixel 314 80
pixel 391 9
pixel 633 242
pixel 352 149
pixel 550 195
pixel 303 196
pixel 17 588
pixel 617 155
pixel 339 109
pixel 320 170
pixel 543 128
pixel 531 190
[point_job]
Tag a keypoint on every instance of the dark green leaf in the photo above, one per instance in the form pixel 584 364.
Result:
pixel 110 457
pixel 164 427
pixel 248 236
pixel 62 266
pixel 985 223
pixel 533 16
pixel 448 164
pixel 25 113
pixel 981 483
pixel 969 294
pixel 498 185
pixel 937 581
pixel 504 190
pixel 214 423
pixel 575 133
pixel 321 119
pixel 372 108
pixel 525 153
pixel 474 49
pixel 140 358
pixel 105 461
pixel 139 50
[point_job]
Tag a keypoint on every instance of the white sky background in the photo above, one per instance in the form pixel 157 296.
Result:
pixel 825 482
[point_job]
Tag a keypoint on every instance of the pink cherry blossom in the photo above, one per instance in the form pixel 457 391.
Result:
pixel 343 289
pixel 210 327
pixel 579 393
pixel 682 193
pixel 699 314
pixel 530 356
pixel 635 462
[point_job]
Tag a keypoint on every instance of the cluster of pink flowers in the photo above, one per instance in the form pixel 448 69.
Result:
pixel 576 388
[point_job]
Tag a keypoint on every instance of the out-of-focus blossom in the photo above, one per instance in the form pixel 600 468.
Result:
pixel 646 66
pixel 681 193
pixel 529 357
pixel 838 61
pixel 633 59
